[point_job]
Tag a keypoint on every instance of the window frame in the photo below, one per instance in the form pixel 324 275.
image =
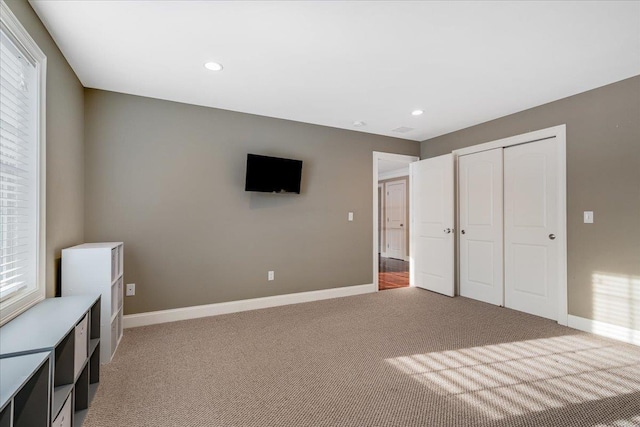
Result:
pixel 17 303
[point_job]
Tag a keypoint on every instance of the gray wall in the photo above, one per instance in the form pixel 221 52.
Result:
pixel 65 145
pixel 603 175
pixel 168 180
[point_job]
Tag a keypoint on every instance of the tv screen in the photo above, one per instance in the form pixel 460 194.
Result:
pixel 273 174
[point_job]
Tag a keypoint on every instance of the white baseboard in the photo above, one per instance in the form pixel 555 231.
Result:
pixel 185 313
pixel 608 330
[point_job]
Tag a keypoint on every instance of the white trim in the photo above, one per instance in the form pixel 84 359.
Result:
pixel 377 155
pixel 400 173
pixel 560 134
pixel 620 333
pixel 524 138
pixel 25 300
pixel 185 313
pixel 563 291
pixel 412 248
pixel 382 247
pixel 456 224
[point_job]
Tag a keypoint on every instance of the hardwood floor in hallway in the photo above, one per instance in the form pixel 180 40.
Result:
pixel 392 273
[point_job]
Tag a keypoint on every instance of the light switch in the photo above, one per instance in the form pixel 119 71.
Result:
pixel 588 217
pixel 350 216
pixel 131 289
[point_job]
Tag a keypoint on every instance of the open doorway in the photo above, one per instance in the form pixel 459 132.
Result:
pixel 391 220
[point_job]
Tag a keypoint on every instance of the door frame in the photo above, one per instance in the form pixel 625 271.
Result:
pixel 559 133
pixel 381 202
pixel 378 155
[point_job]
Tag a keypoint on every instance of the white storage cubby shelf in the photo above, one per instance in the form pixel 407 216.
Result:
pixel 98 268
pixel 50 363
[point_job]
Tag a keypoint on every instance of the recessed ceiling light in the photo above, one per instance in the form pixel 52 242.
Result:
pixel 213 66
pixel 359 124
pixel 417 112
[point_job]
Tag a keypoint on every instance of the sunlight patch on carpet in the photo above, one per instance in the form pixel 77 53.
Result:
pixel 517 378
pixel 631 422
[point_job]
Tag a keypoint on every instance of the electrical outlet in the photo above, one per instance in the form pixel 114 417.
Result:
pixel 131 289
pixel 271 275
pixel 350 217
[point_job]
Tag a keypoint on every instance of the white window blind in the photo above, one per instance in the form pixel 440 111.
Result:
pixel 18 169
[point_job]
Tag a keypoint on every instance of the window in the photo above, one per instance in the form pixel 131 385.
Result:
pixel 22 173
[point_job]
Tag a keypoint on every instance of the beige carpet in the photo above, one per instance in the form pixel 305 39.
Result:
pixel 403 357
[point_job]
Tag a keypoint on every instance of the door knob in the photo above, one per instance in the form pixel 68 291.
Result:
pixel 552 236
pixel 462 231
pixel 447 230
pixel 401 225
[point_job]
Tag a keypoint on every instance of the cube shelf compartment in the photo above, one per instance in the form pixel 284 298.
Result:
pixel 62 336
pixel 98 268
pixel 24 390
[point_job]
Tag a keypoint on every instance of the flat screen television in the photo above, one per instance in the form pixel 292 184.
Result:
pixel 273 174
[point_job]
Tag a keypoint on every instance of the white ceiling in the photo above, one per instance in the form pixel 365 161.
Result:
pixel 332 63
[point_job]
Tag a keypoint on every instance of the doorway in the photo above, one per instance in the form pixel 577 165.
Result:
pixel 393 262
pixel 391 220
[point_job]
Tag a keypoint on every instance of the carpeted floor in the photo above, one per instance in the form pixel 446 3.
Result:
pixel 404 357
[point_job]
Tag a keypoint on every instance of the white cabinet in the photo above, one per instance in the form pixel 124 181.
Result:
pixel 98 268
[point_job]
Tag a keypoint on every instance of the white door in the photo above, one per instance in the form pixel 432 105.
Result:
pixel 480 223
pixel 432 208
pixel 531 219
pixel 395 209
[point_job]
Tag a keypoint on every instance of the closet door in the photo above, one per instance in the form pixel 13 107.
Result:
pixel 531 197
pixel 480 221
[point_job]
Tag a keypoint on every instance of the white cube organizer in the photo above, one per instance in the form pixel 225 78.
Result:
pixel 98 267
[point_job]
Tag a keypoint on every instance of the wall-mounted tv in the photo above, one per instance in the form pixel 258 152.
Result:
pixel 273 174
